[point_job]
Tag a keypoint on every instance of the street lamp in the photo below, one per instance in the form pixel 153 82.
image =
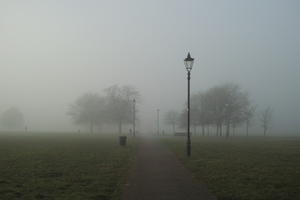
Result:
pixel 188 62
pixel 134 117
pixel 157 120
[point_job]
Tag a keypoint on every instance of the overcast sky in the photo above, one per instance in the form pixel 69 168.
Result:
pixel 53 51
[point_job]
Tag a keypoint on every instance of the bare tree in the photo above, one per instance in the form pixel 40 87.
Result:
pixel 119 104
pixel 115 107
pixel 221 105
pixel 226 105
pixel 200 113
pixel 249 114
pixel 89 109
pixel 12 118
pixel 214 104
pixel 266 117
pixel 237 103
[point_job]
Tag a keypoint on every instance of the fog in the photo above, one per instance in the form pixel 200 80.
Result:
pixel 51 52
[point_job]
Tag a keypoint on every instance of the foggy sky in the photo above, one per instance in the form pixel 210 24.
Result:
pixel 53 51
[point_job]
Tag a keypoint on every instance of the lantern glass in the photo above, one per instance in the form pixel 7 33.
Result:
pixel 188 62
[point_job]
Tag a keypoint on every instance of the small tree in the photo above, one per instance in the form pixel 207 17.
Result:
pixel 249 114
pixel 88 109
pixel 227 104
pixel 221 105
pixel 171 118
pixel 119 104
pixel 12 118
pixel 266 117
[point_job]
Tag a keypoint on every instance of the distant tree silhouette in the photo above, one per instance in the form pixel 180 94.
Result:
pixel 116 106
pixel 89 109
pixel 265 118
pixel 12 118
pixel 120 104
pixel 222 105
pixel 249 114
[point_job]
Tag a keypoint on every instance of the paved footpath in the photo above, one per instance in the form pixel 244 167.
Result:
pixel 158 175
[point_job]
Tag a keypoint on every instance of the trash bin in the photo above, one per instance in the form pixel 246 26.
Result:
pixel 122 140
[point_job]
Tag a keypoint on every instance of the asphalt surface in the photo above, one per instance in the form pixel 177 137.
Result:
pixel 158 175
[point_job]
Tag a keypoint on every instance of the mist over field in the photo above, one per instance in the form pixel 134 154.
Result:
pixel 52 52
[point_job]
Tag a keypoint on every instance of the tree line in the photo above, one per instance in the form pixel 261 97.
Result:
pixel 114 106
pixel 224 107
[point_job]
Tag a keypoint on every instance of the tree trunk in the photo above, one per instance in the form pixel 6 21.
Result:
pixel 217 132
pixel 208 130
pixel 227 129
pixel 203 130
pixel 221 126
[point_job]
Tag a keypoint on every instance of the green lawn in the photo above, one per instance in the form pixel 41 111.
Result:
pixel 244 168
pixel 62 166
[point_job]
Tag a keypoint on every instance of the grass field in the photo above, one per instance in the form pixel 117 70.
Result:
pixel 62 166
pixel 244 168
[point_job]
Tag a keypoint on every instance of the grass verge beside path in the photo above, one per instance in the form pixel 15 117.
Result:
pixel 244 168
pixel 63 166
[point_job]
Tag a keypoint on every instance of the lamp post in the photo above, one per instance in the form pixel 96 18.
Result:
pixel 133 118
pixel 157 121
pixel 228 117
pixel 188 62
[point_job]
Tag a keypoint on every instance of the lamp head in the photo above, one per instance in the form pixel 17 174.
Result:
pixel 188 62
